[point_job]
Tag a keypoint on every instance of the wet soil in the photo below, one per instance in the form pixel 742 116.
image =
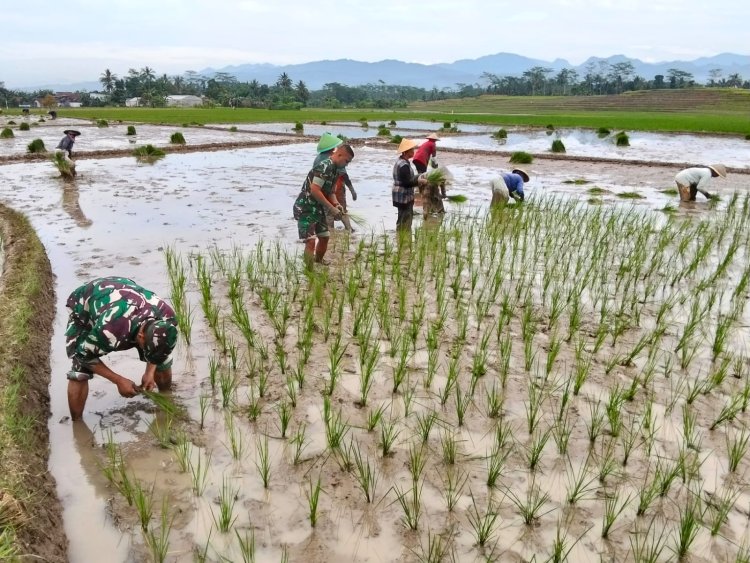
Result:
pixel 117 217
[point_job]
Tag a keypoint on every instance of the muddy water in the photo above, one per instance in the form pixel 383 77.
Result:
pixel 115 219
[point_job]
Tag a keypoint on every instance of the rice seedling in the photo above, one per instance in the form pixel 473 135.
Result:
pixel 164 403
pixel 438 549
pixel 449 447
pixel 665 476
pixel 102 123
pixel 365 474
pixel 581 484
pixel 561 433
pixel 24 127
pixel 729 411
pixel 131 130
pixel 411 504
pixel 177 138
pixel 607 463
pixel 158 539
pixel 199 473
pixel 227 499
pixel 557 146
pixel 647 545
pixel 737 446
pixel 495 463
pixel 495 400
pixel 483 523
pixel 389 432
pixel 613 410
pixel 336 427
pixel 313 501
pixel 36 146
pixel 582 371
pixel 263 463
pixel 521 157
pixel 531 505
pixel 374 417
pixel 7 133
pixel 595 424
pixel 533 454
pixel 247 545
pixel 143 501
pixel 148 153
pixel 453 486
pixel 688 527
pixel 629 438
pixel 183 449
pixel 622 139
pixel 613 508
pixel 533 407
pixel 718 507
pixel 62 165
pixel 161 429
pixel 500 134
pixel 463 402
pixel 234 434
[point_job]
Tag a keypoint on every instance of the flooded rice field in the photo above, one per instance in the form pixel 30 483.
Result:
pixel 567 378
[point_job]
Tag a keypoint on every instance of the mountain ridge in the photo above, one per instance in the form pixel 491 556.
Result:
pixel 351 72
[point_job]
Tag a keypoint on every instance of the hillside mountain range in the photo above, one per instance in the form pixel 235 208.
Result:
pixel 448 75
pixel 467 71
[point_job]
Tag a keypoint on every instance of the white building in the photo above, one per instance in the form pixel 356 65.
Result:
pixel 132 102
pixel 184 101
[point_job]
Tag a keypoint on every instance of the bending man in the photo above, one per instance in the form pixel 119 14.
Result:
pixel 110 315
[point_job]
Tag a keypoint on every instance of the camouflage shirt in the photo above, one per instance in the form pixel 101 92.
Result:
pixel 324 174
pixel 106 314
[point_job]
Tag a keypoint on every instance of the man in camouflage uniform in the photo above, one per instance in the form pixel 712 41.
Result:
pixel 110 315
pixel 315 198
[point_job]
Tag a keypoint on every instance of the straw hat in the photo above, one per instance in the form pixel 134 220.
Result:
pixel 719 169
pixel 407 144
pixel 521 173
pixel 72 132
pixel 433 136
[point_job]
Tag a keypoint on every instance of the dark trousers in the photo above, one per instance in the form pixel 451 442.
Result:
pixel 405 214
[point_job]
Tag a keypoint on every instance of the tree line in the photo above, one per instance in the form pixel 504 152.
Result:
pixel 224 89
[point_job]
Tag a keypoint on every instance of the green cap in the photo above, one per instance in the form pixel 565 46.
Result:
pixel 328 142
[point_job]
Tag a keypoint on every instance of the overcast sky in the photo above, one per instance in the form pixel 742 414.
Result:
pixel 65 41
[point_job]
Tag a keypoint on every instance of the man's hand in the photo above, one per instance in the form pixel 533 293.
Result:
pixel 354 194
pixel 422 181
pixel 147 381
pixel 127 388
pixel 337 212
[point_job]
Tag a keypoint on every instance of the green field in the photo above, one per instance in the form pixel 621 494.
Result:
pixel 706 110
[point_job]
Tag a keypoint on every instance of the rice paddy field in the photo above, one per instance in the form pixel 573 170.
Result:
pixel 566 379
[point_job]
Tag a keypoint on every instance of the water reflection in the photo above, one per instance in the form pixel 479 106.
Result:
pixel 71 205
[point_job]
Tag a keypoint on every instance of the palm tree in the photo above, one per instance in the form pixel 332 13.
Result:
pixel 301 92
pixel 147 75
pixel 107 80
pixel 284 83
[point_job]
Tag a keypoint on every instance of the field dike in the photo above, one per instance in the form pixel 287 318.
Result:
pixel 30 514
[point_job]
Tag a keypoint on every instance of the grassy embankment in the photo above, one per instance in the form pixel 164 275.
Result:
pixel 29 511
pixel 714 110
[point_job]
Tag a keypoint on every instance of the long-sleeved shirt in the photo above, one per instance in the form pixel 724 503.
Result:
pixel 514 183
pixel 106 314
pixel 405 178
pixel 698 177
pixel 66 144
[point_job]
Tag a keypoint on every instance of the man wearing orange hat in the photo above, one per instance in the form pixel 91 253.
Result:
pixel 690 181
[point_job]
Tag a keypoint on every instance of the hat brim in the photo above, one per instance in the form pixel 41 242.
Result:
pixel 433 137
pixel 73 131
pixel 719 172
pixel 521 173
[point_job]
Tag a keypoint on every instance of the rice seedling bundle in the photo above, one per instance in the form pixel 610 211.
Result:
pixel 24 126
pixel 147 152
pixel 6 133
pixel 36 146
pixel 177 138
pixel 521 157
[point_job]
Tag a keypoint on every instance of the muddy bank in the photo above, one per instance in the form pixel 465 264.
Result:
pixel 25 483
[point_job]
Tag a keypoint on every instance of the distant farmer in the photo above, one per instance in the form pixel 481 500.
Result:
pixel 325 149
pixel 111 315
pixel 690 181
pixel 317 197
pixel 509 184
pixel 65 147
pixel 425 152
pixel 405 179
